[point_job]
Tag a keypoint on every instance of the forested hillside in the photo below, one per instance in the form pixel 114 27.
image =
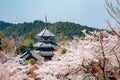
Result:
pixel 4 25
pixel 22 30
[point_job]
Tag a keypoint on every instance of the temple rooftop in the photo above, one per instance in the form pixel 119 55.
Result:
pixel 45 44
pixel 45 33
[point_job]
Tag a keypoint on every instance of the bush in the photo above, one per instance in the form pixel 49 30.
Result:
pixel 63 51
pixel 21 49
pixel 31 61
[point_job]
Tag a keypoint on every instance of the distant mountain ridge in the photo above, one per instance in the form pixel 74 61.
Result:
pixel 22 30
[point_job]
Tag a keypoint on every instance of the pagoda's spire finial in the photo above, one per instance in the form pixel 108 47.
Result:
pixel 45 21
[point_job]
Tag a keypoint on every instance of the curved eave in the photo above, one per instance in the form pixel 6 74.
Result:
pixel 45 33
pixel 43 44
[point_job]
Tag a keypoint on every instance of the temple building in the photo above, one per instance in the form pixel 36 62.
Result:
pixel 44 48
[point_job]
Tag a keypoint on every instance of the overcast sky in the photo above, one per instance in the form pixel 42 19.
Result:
pixel 84 12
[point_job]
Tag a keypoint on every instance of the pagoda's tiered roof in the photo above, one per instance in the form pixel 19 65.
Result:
pixel 45 33
pixel 45 44
pixel 44 53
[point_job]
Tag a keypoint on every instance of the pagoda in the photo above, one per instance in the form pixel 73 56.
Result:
pixel 44 48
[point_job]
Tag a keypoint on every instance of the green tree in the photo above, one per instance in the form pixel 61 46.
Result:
pixel 63 51
pixel 31 36
pixel 31 61
pixel 27 44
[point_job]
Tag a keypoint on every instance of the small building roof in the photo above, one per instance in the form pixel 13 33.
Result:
pixel 45 33
pixel 33 54
pixel 38 55
pixel 45 44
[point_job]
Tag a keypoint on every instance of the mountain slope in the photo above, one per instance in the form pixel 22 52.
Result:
pixel 4 25
pixel 59 28
pixel 70 29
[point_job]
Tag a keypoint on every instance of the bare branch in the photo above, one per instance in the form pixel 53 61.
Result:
pixel 109 25
pixel 113 11
pixel 118 2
